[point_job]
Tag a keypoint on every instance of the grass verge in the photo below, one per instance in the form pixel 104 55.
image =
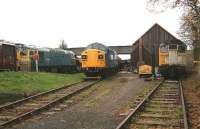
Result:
pixel 32 82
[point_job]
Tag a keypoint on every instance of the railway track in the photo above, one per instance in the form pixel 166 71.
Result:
pixel 23 109
pixel 162 108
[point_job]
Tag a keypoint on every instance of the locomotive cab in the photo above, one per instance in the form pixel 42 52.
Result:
pixel 93 59
pixel 172 59
pixel 97 60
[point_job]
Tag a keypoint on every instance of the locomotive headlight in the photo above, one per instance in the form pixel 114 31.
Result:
pixel 84 57
pixel 100 57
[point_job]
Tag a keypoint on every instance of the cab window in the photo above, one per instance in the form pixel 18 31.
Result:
pixel 172 47
pixel 84 57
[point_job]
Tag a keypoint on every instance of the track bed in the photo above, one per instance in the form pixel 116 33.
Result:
pixel 162 108
pixel 17 111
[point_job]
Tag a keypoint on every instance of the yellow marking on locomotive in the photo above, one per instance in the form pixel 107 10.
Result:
pixel 23 58
pixel 162 57
pixel 93 58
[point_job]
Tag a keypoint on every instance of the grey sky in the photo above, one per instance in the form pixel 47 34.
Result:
pixel 80 22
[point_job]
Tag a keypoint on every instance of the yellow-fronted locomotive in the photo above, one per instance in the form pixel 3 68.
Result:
pixel 25 56
pixel 99 60
pixel 172 59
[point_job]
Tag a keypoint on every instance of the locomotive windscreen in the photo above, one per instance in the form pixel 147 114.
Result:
pixel 98 46
pixel 173 47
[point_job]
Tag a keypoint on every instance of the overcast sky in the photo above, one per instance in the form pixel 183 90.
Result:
pixel 80 22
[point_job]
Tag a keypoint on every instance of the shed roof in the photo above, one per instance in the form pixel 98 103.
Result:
pixel 156 24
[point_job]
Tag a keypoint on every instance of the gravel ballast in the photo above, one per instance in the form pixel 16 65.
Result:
pixel 97 110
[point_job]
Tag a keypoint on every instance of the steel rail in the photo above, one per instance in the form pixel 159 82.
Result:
pixel 45 107
pixel 10 105
pixel 183 106
pixel 123 124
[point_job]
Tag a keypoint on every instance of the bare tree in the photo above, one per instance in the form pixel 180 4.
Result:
pixel 189 29
pixel 190 24
pixel 63 45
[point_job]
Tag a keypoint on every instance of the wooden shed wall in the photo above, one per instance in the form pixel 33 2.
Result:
pixel 153 37
pixel 135 57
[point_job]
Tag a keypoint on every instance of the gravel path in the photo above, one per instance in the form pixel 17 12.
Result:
pixel 96 111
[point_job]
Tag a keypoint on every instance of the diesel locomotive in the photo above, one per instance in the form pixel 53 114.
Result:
pixel 172 59
pixel 20 57
pixel 56 60
pixel 99 60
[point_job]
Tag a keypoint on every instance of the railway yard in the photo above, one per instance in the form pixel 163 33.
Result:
pixel 106 99
pixel 94 88
pixel 100 64
pixel 118 102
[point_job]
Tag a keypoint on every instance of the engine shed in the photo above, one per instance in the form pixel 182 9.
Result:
pixel 146 48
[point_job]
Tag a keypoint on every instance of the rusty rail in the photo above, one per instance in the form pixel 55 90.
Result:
pixel 44 107
pixel 127 121
pixel 183 106
pixel 10 105
pixel 128 118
